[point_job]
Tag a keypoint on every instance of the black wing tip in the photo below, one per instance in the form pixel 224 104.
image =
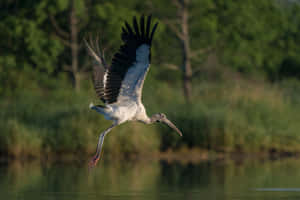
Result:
pixel 140 29
pixel 136 27
pixel 153 31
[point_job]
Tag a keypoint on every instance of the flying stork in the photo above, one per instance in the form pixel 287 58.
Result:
pixel 120 85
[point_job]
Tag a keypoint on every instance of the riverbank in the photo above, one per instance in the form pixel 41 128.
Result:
pixel 183 156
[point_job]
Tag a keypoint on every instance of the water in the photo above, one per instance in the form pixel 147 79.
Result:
pixel 251 179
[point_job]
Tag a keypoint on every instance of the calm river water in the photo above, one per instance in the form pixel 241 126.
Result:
pixel 250 179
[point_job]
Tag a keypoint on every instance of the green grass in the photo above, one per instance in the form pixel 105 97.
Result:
pixel 227 114
pixel 239 115
pixel 60 123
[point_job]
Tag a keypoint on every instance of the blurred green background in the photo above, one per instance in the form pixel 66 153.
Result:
pixel 226 72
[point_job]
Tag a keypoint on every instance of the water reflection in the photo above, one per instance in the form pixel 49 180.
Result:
pixel 250 179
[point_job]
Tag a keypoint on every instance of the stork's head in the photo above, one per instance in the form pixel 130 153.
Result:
pixel 160 117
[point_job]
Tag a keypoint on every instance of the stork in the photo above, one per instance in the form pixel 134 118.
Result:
pixel 120 85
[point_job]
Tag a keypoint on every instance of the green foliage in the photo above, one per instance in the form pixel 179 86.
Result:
pixel 27 49
pixel 249 36
pixel 257 35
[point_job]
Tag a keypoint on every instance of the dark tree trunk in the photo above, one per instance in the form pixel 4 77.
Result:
pixel 186 51
pixel 74 46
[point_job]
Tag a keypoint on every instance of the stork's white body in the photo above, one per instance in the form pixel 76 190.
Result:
pixel 126 111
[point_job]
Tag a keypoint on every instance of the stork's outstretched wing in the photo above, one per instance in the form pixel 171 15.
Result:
pixel 125 77
pixel 99 67
pixel 130 64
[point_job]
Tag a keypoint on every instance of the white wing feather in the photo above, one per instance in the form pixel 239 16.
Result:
pixel 132 83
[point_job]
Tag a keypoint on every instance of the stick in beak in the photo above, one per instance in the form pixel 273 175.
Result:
pixel 171 125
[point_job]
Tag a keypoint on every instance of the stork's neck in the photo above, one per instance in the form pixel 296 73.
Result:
pixel 152 119
pixel 147 120
pixel 142 115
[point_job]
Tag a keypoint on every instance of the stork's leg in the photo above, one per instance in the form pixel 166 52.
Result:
pixel 95 159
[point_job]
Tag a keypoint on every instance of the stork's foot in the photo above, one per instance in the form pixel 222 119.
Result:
pixel 94 161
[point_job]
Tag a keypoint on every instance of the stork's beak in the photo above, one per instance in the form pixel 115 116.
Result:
pixel 171 125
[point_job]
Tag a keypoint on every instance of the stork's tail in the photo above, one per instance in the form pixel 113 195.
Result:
pixel 100 109
pixel 91 105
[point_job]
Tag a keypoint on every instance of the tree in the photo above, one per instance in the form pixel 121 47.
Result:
pixel 77 20
pixel 190 21
pixel 86 17
pixel 184 37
